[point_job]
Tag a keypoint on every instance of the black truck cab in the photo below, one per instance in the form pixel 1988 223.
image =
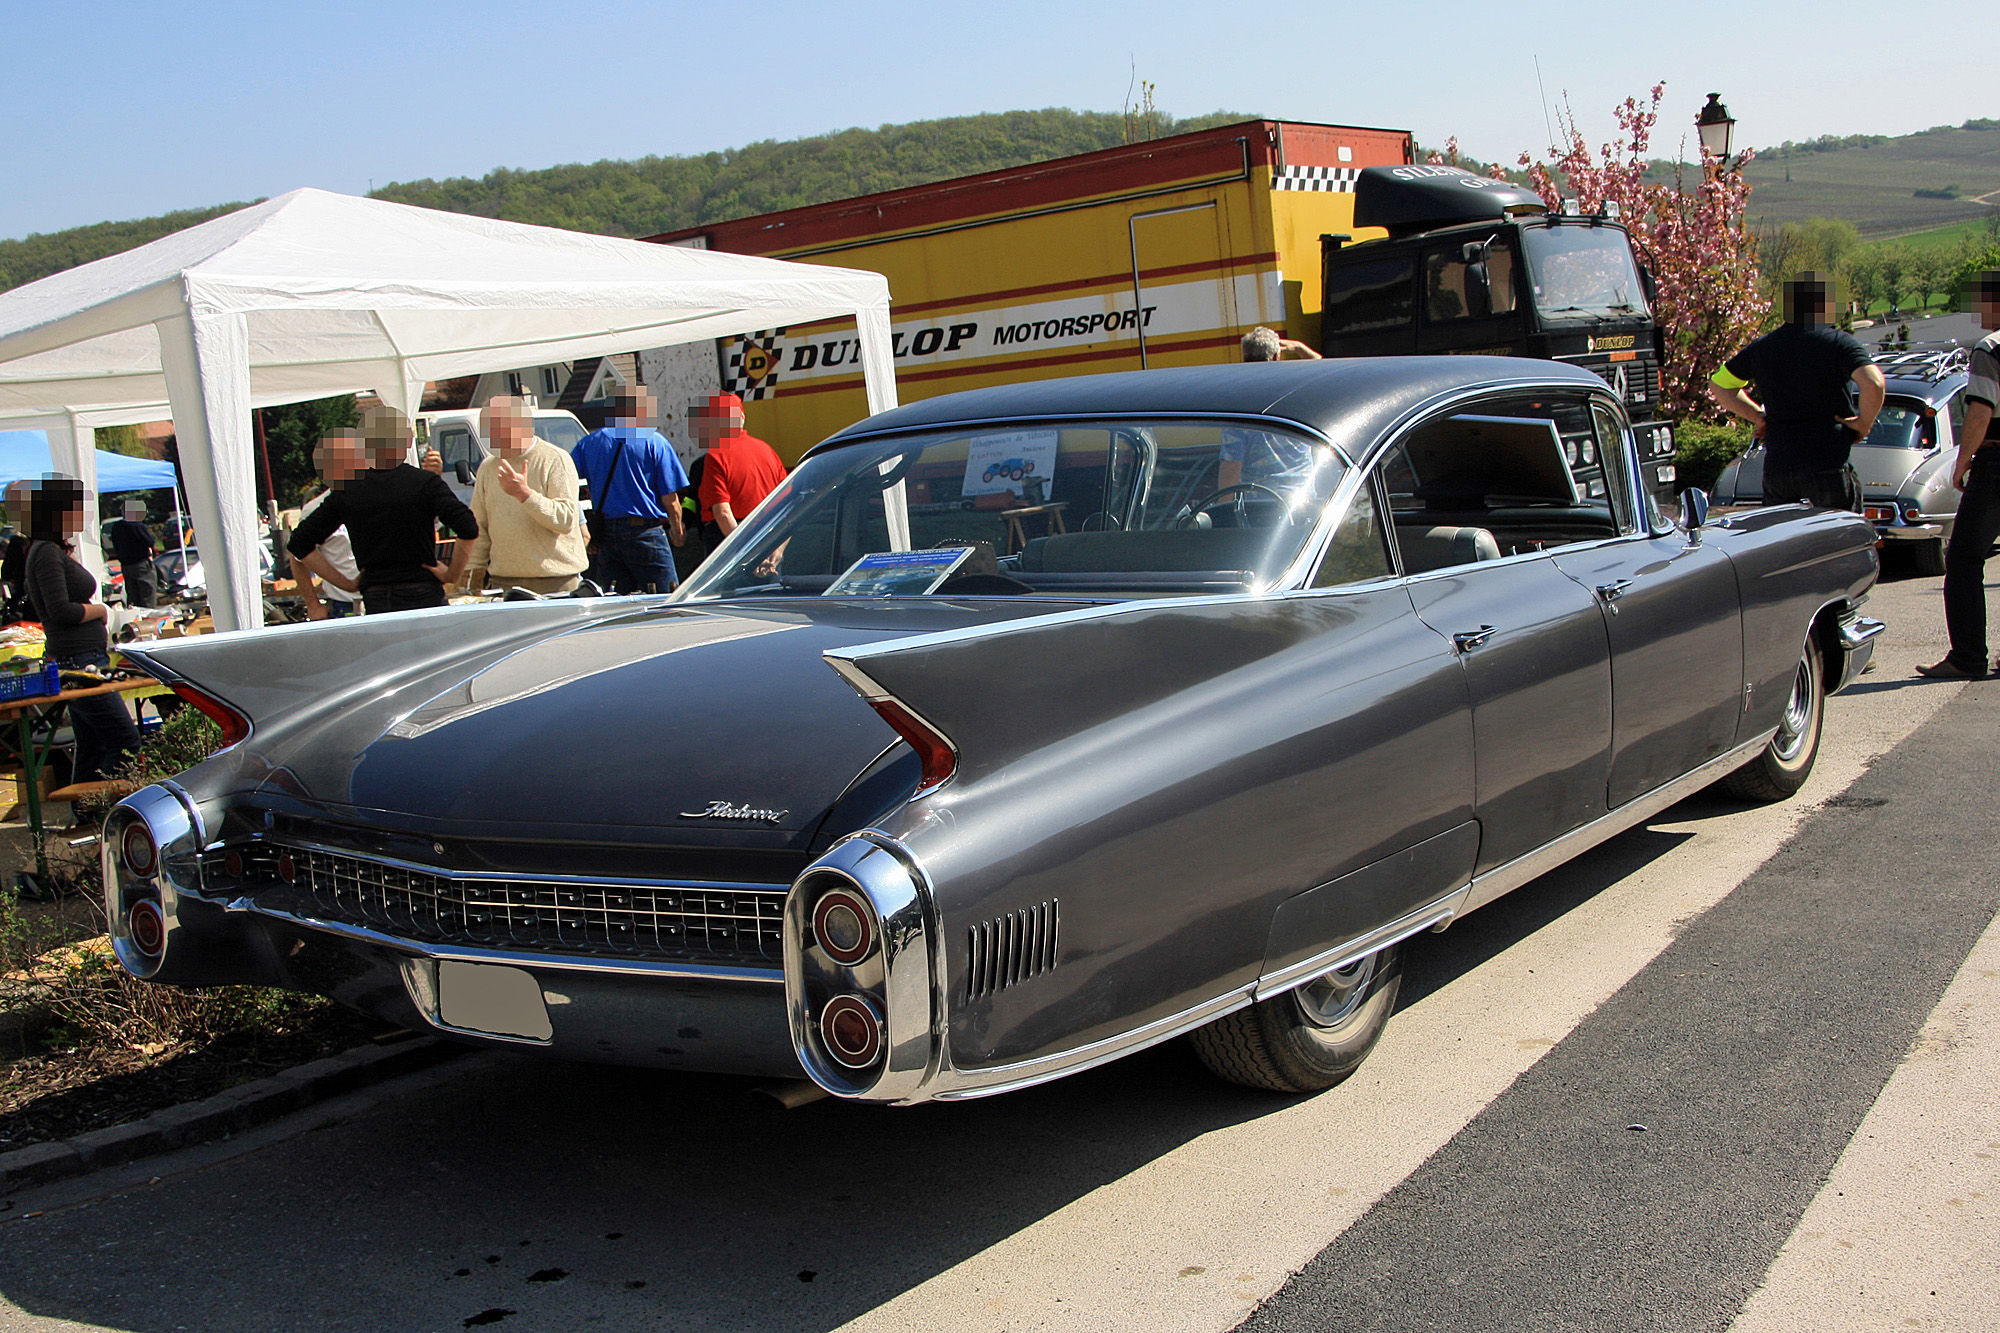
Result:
pixel 1474 265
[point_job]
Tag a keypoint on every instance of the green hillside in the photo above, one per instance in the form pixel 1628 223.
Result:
pixel 1874 184
pixel 656 194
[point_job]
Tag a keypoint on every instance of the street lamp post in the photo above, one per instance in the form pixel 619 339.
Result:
pixel 1717 131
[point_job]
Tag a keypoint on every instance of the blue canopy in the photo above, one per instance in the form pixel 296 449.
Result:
pixel 25 453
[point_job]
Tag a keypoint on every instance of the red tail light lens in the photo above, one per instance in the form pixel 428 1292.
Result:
pixel 141 853
pixel 850 1031
pixel 235 726
pixel 939 760
pixel 147 928
pixel 843 926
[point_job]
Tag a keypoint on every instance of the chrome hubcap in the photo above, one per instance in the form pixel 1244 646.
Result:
pixel 1331 1000
pixel 1795 727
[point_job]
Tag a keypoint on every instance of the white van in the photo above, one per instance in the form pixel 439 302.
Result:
pixel 455 435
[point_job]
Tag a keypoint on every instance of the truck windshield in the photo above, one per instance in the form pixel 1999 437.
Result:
pixel 1584 273
pixel 1123 507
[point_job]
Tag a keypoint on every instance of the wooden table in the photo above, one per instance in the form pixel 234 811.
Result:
pixel 37 719
pixel 1050 514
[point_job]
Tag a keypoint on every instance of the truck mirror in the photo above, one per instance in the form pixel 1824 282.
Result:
pixel 1647 285
pixel 463 471
pixel 1473 252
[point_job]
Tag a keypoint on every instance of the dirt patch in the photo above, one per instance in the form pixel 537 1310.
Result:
pixel 59 1094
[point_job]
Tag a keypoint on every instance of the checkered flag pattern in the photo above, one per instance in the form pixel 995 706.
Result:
pixel 1338 180
pixel 742 380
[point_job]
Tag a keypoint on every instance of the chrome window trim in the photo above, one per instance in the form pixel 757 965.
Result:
pixel 1297 576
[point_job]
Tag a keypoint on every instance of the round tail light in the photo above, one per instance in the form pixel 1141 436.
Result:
pixel 233 863
pixel 288 870
pixel 850 1031
pixel 141 854
pixel 843 926
pixel 147 928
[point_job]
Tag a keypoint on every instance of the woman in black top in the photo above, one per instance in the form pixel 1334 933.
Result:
pixel 62 592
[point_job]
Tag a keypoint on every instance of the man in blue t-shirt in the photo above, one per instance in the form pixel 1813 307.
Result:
pixel 1806 371
pixel 633 475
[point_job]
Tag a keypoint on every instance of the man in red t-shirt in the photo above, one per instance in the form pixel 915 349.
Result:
pixel 740 469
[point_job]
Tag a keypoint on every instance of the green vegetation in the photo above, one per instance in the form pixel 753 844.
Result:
pixel 1702 449
pixel 656 194
pixel 1884 186
pixel 39 255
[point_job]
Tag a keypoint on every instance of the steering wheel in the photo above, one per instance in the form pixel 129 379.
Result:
pixel 1235 495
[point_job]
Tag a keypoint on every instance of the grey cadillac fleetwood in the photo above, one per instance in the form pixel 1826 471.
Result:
pixel 1289 663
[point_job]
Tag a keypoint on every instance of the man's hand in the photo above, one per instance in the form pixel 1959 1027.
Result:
pixel 442 573
pixel 513 482
pixel 433 461
pixel 316 610
pixel 1854 424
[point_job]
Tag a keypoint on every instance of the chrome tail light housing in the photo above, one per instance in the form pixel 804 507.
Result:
pixel 860 937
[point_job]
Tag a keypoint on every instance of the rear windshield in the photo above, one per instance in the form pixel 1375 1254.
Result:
pixel 1902 427
pixel 1124 507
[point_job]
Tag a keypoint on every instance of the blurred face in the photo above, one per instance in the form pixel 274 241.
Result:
pixel 1989 308
pixel 508 428
pixel 634 409
pixel 340 458
pixel 135 511
pixel 76 518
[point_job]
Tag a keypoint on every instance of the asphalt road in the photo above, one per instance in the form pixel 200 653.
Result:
pixel 1801 1004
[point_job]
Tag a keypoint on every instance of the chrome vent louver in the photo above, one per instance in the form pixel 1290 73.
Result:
pixel 1010 949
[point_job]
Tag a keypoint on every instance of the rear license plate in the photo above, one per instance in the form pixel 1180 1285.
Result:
pixel 503 1001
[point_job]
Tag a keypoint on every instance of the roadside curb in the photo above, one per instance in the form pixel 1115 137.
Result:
pixel 225 1113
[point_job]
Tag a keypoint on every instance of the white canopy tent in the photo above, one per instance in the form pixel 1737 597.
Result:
pixel 313 294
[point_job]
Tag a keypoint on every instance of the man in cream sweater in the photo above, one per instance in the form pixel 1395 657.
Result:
pixel 525 498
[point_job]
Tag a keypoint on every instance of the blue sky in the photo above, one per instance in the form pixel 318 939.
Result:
pixel 116 110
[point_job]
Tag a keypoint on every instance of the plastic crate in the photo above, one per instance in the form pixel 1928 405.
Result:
pixel 30 684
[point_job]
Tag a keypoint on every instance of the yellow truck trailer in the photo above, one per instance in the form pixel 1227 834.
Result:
pixel 1154 254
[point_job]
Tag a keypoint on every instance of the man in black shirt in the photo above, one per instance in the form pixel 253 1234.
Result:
pixel 1808 420
pixel 391 511
pixel 133 545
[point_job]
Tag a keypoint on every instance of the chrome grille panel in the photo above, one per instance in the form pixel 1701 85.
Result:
pixel 1010 949
pixel 704 922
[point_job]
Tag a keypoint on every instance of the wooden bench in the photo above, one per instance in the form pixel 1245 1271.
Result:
pixel 78 791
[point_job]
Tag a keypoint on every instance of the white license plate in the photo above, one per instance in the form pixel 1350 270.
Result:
pixel 503 1001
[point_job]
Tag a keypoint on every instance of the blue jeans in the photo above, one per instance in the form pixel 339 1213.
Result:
pixel 105 732
pixel 636 558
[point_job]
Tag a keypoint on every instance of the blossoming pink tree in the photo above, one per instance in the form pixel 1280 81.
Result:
pixel 1695 241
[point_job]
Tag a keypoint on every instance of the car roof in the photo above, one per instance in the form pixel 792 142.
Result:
pixel 1351 400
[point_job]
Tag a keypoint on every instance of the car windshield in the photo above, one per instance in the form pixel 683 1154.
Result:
pixel 1584 273
pixel 1131 507
pixel 1902 426
pixel 563 432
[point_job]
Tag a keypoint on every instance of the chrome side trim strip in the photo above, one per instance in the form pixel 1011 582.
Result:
pixel 458 953
pixel 1433 917
pixel 963 1084
pixel 1504 879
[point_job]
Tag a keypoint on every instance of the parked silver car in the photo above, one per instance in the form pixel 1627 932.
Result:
pixel 1904 464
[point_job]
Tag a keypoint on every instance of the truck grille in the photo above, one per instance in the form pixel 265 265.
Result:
pixel 705 923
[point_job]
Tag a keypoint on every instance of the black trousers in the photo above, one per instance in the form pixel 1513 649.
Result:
pixel 382 598
pixel 1836 489
pixel 141 583
pixel 1972 536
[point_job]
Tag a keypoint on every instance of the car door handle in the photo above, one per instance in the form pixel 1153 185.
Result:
pixel 1466 640
pixel 1611 592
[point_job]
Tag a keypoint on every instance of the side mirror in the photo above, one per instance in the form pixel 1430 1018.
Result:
pixel 1648 286
pixel 463 471
pixel 1694 511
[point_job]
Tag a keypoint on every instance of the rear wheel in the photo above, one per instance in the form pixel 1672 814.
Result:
pixel 1928 557
pixel 1309 1038
pixel 1783 765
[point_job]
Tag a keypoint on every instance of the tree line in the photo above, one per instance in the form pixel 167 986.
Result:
pixel 1884 274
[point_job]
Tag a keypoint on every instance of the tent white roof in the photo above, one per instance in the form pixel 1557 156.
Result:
pixel 312 294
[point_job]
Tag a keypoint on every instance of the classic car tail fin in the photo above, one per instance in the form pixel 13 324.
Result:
pixel 971 701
